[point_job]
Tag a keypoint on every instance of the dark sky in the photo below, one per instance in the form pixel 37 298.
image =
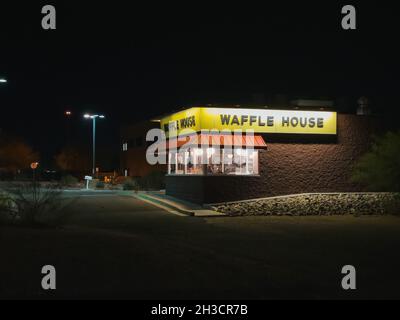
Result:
pixel 134 62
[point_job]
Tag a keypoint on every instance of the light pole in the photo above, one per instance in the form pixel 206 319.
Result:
pixel 68 116
pixel 34 166
pixel 94 117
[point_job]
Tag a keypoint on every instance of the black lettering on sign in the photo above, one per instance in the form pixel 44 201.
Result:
pixel 269 121
pixel 294 122
pixel 225 119
pixel 235 120
pixel 183 123
pixel 253 120
pixel 188 122
pixel 285 121
pixel 171 126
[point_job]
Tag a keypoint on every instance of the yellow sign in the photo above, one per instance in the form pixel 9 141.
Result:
pixel 176 123
pixel 258 120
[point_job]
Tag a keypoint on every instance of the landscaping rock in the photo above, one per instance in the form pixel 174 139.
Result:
pixel 316 204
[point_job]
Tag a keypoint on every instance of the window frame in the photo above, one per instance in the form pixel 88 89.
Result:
pixel 203 170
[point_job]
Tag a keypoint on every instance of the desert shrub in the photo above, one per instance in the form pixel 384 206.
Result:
pixel 33 203
pixel 392 205
pixel 379 169
pixel 130 185
pixel 69 180
pixel 120 180
pixel 153 181
pixel 6 208
pixel 100 185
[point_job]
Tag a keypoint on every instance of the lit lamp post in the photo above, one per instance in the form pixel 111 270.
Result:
pixel 68 116
pixel 34 166
pixel 94 117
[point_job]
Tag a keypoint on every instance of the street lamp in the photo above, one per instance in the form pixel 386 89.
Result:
pixel 94 117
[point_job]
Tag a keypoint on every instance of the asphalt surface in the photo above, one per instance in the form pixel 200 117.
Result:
pixel 115 246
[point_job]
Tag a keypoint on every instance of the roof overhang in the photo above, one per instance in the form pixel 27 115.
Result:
pixel 213 140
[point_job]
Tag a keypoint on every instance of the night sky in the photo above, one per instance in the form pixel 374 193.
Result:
pixel 135 62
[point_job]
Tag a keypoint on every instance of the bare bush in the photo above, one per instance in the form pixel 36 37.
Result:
pixel 33 203
pixel 6 208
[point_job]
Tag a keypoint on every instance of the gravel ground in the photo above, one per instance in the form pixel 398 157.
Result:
pixel 316 204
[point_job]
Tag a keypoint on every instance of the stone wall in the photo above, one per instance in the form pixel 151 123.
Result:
pixel 315 204
pixel 291 165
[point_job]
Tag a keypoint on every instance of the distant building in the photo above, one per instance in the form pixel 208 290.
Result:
pixel 133 145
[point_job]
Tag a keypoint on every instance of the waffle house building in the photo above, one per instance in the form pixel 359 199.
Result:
pixel 290 152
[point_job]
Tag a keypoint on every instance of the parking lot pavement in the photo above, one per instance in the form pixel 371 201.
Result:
pixel 116 246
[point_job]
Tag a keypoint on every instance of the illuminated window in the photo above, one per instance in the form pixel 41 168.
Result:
pixel 125 147
pixel 188 162
pixel 218 162
pixel 241 162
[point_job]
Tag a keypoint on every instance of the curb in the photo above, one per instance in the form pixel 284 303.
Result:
pixel 168 205
pixel 197 213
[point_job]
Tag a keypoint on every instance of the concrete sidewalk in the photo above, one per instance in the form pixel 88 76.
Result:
pixel 181 206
